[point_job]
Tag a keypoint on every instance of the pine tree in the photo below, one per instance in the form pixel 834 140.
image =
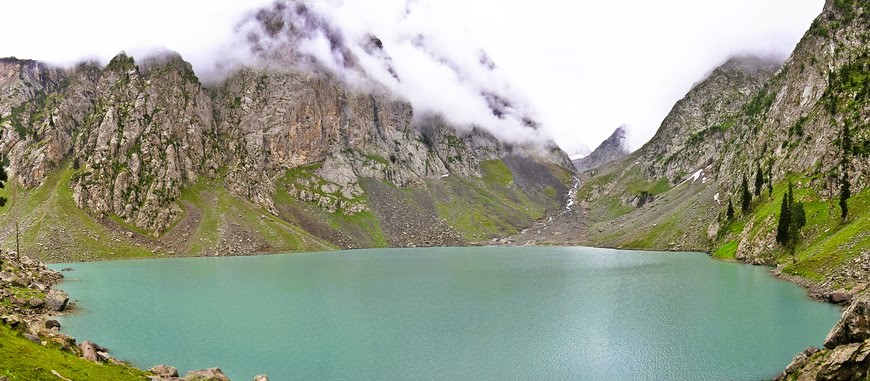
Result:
pixel 746 196
pixel 3 178
pixel 782 225
pixel 845 186
pixel 730 212
pixel 798 218
pixel 759 181
pixel 770 179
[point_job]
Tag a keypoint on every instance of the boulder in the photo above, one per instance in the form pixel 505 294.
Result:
pixel 11 320
pixel 840 296
pixel 261 377
pixel 164 371
pixel 854 327
pixel 36 302
pixel 846 362
pixel 93 352
pixel 210 374
pixel 32 337
pixel 51 324
pixel 56 300
pixel 13 279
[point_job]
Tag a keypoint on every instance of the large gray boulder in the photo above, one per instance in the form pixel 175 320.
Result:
pixel 854 327
pixel 56 300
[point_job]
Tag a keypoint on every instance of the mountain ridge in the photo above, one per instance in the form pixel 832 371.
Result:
pixel 613 148
pixel 129 139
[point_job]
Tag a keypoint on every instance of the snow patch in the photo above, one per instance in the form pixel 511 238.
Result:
pixel 577 156
pixel 694 177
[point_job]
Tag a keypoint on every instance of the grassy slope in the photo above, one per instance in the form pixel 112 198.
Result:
pixel 606 190
pixel 675 219
pixel 24 360
pixel 826 241
pixel 492 206
pixel 350 230
pixel 218 209
pixel 54 229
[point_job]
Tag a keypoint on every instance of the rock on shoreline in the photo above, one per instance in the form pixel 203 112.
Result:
pixel 28 285
pixel 846 353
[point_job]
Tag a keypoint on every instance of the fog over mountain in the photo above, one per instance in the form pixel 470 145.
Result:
pixel 501 65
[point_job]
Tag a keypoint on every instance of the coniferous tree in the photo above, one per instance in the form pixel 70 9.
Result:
pixel 782 225
pixel 730 212
pixel 3 178
pixel 845 186
pixel 798 218
pixel 792 218
pixel 759 181
pixel 770 179
pixel 746 196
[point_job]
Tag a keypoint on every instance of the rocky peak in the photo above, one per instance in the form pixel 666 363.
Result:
pixel 613 148
pixel 695 128
pixel 151 133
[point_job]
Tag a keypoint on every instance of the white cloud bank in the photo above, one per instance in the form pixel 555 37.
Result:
pixel 579 68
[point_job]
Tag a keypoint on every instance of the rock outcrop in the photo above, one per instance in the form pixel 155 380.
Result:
pixel 133 135
pixel 846 355
pixel 152 133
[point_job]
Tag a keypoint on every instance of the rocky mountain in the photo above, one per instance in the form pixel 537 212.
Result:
pixel 612 148
pixel 797 131
pixel 138 159
pixel 803 122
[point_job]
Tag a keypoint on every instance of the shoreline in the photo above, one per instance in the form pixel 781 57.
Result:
pixel 70 307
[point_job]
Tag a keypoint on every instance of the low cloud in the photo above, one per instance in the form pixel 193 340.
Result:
pixel 575 70
pixel 404 48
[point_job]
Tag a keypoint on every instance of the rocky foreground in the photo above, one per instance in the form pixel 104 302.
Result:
pixel 846 352
pixel 29 304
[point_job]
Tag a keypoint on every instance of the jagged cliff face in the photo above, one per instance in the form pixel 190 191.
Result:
pixel 278 121
pixel 151 133
pixel 40 110
pixel 613 148
pixel 795 122
pixel 747 117
pixel 132 137
pixel 693 133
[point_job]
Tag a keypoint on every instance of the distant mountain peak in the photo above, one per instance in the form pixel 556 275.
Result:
pixel 612 148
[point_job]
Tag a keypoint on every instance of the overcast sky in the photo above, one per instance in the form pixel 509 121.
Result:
pixel 584 67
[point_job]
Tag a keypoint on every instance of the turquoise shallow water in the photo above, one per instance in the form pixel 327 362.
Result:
pixel 449 314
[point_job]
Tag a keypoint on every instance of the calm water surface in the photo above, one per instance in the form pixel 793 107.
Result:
pixel 449 314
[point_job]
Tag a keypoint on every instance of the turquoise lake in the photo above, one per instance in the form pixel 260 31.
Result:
pixel 449 314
